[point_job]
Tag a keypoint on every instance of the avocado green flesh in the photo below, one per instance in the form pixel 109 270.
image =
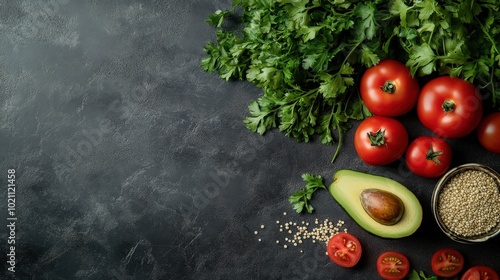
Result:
pixel 348 184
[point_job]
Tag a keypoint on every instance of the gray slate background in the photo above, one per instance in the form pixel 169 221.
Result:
pixel 132 163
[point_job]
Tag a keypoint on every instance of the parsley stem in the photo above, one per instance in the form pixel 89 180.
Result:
pixel 351 51
pixel 337 123
pixel 339 140
pixel 493 44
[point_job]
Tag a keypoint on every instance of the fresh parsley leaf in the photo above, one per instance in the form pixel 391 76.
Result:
pixel 300 200
pixel 367 25
pixel 368 57
pixel 217 18
pixel 414 275
pixel 422 60
pixel 260 120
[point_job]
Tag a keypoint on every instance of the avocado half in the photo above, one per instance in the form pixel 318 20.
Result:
pixel 346 188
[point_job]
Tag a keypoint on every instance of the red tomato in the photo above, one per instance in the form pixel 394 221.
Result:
pixel 480 272
pixel 450 107
pixel 380 140
pixel 447 263
pixel 393 265
pixel 429 156
pixel 344 249
pixel 388 89
pixel 488 132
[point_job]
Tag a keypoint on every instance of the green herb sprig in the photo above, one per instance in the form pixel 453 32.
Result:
pixel 300 200
pixel 414 275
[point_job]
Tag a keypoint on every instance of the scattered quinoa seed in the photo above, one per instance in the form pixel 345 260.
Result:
pixel 297 233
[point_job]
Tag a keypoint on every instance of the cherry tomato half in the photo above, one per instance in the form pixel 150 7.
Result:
pixel 429 156
pixel 480 272
pixel 393 265
pixel 488 132
pixel 380 140
pixel 344 249
pixel 447 262
pixel 388 89
pixel 450 107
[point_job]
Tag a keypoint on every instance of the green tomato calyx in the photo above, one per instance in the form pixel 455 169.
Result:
pixel 377 138
pixel 433 155
pixel 388 87
pixel 448 105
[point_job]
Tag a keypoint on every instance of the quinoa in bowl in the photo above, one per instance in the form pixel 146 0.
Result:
pixel 466 203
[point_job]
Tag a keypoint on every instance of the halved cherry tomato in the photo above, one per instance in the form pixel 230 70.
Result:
pixel 388 89
pixel 344 249
pixel 488 132
pixel 447 262
pixel 429 156
pixel 393 265
pixel 450 107
pixel 480 272
pixel 380 140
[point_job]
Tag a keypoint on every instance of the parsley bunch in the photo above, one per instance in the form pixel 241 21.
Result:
pixel 307 55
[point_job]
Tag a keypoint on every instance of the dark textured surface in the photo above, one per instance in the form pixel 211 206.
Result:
pixel 132 163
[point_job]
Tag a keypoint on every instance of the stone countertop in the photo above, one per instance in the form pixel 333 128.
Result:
pixel 132 163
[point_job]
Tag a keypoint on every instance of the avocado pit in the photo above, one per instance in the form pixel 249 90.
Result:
pixel 382 206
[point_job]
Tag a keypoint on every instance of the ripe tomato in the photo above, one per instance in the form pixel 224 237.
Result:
pixel 450 107
pixel 447 263
pixel 344 249
pixel 488 132
pixel 388 89
pixel 429 156
pixel 380 140
pixel 480 272
pixel 393 265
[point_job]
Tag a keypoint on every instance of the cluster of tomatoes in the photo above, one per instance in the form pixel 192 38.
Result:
pixel 345 250
pixel 449 107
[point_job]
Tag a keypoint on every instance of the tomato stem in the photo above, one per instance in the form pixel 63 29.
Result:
pixel 433 155
pixel 388 87
pixel 377 138
pixel 448 105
